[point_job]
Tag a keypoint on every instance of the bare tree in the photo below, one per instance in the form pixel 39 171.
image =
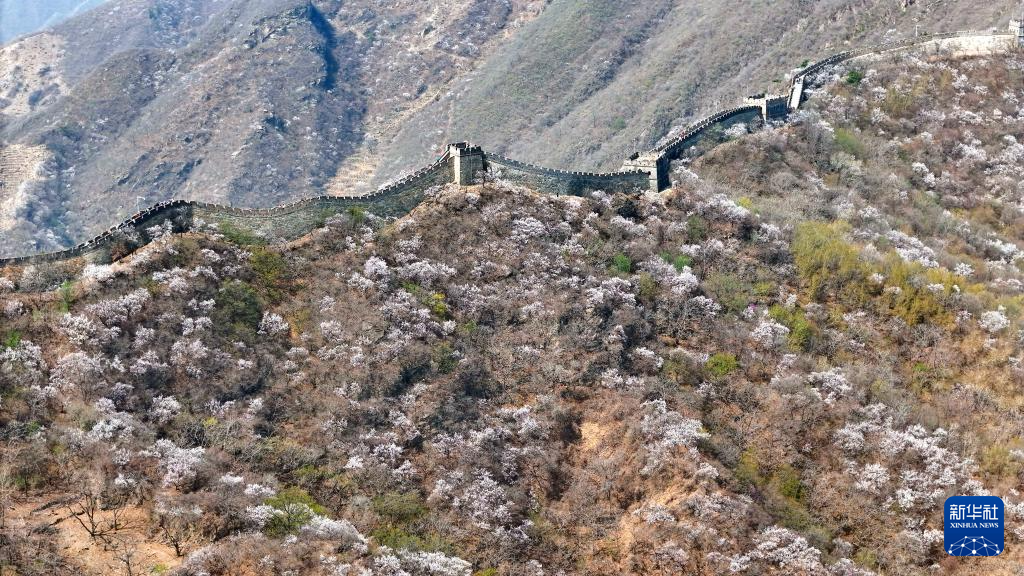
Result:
pixel 88 508
pixel 6 493
pixel 128 559
pixel 178 526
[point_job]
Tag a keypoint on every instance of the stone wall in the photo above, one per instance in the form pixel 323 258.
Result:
pixel 690 137
pixel 563 182
pixel 462 163
pixel 298 218
pixel 963 43
pixel 283 222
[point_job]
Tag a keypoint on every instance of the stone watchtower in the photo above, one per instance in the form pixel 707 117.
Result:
pixel 467 161
pixel 773 107
pixel 656 166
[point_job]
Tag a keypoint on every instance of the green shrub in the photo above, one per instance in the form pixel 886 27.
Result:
pixel 622 264
pixel 730 290
pixel 847 141
pixel 914 303
pixel 322 215
pixel 866 558
pixel 238 307
pixel 898 104
pixel 764 289
pixel 829 265
pixel 403 507
pixel 997 462
pixel 323 481
pixel 12 340
pixel 679 261
pixel 269 268
pixel 238 236
pixel 357 214
pixel 297 508
pixel 801 331
pixel 67 295
pixel 445 358
pixel 747 471
pixel 854 77
pixel 647 287
pixel 435 302
pixel 697 229
pixel 722 364
pixel 787 483
pixel 398 538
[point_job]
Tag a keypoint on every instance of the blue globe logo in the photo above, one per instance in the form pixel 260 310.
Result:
pixel 973 546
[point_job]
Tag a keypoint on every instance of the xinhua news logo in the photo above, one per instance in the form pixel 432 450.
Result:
pixel 974 526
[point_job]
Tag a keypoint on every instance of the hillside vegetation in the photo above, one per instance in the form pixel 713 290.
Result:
pixel 781 366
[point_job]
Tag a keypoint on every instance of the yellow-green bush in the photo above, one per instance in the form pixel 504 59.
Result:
pixel 914 302
pixel 847 141
pixel 801 330
pixel 297 508
pixel 722 364
pixel 829 265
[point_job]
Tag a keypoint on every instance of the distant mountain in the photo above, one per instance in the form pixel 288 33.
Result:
pixel 18 17
pixel 255 102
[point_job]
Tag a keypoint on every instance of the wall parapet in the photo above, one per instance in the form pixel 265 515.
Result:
pixel 566 182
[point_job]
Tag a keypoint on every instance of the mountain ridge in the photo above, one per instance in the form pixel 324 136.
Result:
pixel 654 164
pixel 222 78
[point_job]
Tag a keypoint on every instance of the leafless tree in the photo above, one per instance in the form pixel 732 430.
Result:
pixel 128 559
pixel 178 530
pixel 88 508
pixel 6 493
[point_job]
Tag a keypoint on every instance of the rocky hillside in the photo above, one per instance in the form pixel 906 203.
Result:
pixel 250 103
pixel 783 365
pixel 256 102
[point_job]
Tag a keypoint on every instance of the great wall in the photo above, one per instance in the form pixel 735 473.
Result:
pixel 464 164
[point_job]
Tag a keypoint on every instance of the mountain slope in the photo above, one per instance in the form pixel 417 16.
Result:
pixel 781 366
pixel 253 103
pixel 243 102
pixel 591 82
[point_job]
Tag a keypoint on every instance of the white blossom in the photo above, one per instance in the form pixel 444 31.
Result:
pixel 994 321
pixel 272 324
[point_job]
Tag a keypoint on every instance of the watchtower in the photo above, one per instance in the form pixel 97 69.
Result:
pixel 656 166
pixel 467 162
pixel 772 107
